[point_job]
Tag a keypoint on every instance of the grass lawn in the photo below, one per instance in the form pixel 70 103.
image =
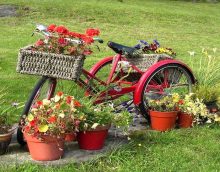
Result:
pixel 184 26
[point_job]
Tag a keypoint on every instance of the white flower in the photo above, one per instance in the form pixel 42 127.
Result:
pixel 191 53
pixel 94 125
pixel 214 50
pixel 62 115
pixel 57 98
pixel 46 102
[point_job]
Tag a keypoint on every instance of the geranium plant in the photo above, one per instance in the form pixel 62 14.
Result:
pixel 165 104
pixel 53 117
pixel 59 40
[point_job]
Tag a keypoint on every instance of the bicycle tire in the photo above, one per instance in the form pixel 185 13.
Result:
pixel 190 80
pixel 32 97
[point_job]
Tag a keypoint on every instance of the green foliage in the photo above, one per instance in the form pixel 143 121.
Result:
pixel 101 114
pixel 8 113
pixel 208 93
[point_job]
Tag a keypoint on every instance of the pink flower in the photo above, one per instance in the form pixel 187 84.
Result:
pixel 40 42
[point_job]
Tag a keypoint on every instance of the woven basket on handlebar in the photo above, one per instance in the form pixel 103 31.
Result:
pixel 49 64
pixel 144 61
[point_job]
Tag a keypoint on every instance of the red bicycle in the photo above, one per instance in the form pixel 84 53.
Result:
pixel 108 82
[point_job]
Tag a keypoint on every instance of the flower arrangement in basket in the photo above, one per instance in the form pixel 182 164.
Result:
pixel 60 54
pixel 47 123
pixel 163 112
pixel 145 55
pixel 153 48
pixel 59 41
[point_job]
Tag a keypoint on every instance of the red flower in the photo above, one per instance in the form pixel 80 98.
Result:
pixel 52 119
pixel 39 103
pixel 40 42
pixel 87 40
pixel 27 129
pixel 32 123
pixel 77 103
pixel 87 52
pixel 92 32
pixel 51 28
pixel 60 93
pixel 61 30
pixel 181 102
pixel 62 41
pixel 75 35
pixel 68 99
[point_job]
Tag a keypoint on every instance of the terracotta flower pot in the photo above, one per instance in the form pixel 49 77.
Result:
pixel 184 120
pixel 50 148
pixel 70 137
pixel 163 121
pixel 5 140
pixel 93 139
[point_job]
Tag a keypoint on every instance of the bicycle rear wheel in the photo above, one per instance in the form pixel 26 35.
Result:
pixel 168 79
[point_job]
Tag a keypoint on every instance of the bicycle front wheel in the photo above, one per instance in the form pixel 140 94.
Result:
pixel 44 89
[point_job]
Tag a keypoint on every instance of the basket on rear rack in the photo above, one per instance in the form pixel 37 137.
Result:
pixel 143 62
pixel 49 64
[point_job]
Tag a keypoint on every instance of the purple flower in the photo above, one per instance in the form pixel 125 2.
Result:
pixel 138 46
pixel 144 42
pixel 156 42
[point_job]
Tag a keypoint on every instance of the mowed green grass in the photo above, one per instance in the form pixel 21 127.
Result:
pixel 184 26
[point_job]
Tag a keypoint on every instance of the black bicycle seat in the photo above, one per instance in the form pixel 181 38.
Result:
pixel 121 49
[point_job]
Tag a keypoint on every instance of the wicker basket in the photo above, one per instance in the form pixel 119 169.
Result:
pixel 49 64
pixel 144 61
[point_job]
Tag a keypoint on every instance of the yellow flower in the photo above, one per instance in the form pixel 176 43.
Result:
pixel 30 117
pixel 43 128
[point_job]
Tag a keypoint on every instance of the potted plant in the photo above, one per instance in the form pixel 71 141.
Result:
pixel 163 112
pixel 46 126
pixel 7 119
pixel 189 108
pixel 209 94
pixel 95 120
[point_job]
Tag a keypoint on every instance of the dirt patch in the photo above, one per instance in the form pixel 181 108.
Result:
pixel 8 10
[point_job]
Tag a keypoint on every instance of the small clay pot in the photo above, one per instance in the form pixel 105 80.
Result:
pixel 5 140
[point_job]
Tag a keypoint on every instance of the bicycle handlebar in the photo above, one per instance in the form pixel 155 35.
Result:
pixel 42 29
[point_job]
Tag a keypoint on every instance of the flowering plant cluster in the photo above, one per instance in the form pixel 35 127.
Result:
pixel 165 104
pixel 59 40
pixel 53 117
pixel 154 47
pixel 64 114
pixel 102 115
pixel 193 106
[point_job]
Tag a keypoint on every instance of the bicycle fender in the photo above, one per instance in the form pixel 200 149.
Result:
pixel 149 72
pixel 100 63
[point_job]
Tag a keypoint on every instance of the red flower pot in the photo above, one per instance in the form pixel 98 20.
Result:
pixel 50 148
pixel 163 121
pixel 70 137
pixel 92 139
pixel 185 120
